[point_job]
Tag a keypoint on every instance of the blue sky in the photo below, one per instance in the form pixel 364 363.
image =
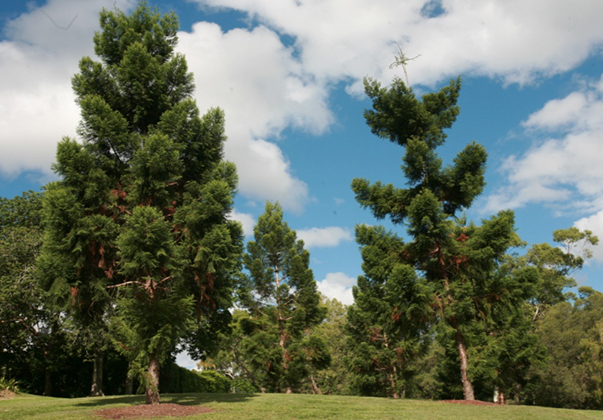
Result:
pixel 289 76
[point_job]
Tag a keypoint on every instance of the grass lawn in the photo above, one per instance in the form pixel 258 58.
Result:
pixel 284 407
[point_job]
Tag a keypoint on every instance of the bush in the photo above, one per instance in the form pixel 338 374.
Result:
pixel 175 379
pixel 243 386
pixel 8 385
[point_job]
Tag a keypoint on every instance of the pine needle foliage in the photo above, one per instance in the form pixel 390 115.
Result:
pixel 137 226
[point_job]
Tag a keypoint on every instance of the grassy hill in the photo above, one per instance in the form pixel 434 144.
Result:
pixel 284 407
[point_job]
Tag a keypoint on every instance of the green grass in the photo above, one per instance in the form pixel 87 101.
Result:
pixel 285 407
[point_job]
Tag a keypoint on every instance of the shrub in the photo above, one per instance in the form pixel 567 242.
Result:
pixel 8 385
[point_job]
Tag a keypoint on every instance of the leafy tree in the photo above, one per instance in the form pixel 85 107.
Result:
pixel 571 333
pixel 455 261
pixel 556 264
pixel 29 329
pixel 138 220
pixel 284 303
pixel 333 379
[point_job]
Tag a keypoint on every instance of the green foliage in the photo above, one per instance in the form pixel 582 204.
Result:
pixel 242 386
pixel 387 321
pixel 449 272
pixel 176 379
pixel 137 228
pixel 283 306
pixel 572 336
pixel 334 378
pixel 11 385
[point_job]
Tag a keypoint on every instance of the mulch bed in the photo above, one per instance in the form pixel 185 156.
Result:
pixel 151 410
pixel 475 402
pixel 5 394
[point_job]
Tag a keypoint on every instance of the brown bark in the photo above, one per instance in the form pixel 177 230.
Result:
pixel 129 386
pixel 47 382
pixel 393 372
pixel 315 388
pixel 97 376
pixel 152 388
pixel 282 342
pixel 460 340
pixel 499 396
pixel 467 385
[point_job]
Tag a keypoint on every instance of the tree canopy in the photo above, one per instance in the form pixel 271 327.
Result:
pixel 139 216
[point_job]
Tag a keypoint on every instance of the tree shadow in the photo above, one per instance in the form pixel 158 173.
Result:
pixel 184 399
pixel 196 399
pixel 110 400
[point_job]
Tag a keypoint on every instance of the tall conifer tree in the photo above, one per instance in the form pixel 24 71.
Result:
pixel 284 301
pixel 138 217
pixel 455 260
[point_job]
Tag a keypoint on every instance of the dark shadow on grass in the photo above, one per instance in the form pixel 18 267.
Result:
pixel 185 399
pixel 111 400
pixel 196 399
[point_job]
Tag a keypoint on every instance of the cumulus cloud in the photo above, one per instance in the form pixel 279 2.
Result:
pixel 249 73
pixel 566 165
pixel 324 237
pixel 512 39
pixel 267 85
pixel 593 223
pixel 263 89
pixel 38 56
pixel 337 286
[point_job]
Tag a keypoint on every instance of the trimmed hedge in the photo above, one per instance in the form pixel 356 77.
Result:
pixel 175 379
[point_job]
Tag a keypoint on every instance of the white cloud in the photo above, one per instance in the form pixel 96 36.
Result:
pixel 38 57
pixel 266 87
pixel 593 223
pixel 324 237
pixel 338 286
pixel 246 220
pixel 263 89
pixel 185 361
pixel 562 168
pixel 512 39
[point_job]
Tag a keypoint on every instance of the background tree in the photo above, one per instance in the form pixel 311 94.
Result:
pixel 29 329
pixel 571 333
pixel 284 302
pixel 139 215
pixel 333 379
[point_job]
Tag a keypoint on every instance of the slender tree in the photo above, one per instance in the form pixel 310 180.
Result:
pixel 283 298
pixel 137 222
pixel 455 259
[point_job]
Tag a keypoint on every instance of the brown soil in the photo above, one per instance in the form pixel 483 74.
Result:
pixel 5 394
pixel 475 402
pixel 151 410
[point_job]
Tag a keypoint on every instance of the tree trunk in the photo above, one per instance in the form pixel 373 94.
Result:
pixel 315 387
pixel 392 381
pixel 152 386
pixel 129 388
pixel 499 396
pixel 282 333
pixel 47 382
pixel 467 385
pixel 393 373
pixel 97 376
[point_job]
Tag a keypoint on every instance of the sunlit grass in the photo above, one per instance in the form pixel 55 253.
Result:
pixel 284 407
